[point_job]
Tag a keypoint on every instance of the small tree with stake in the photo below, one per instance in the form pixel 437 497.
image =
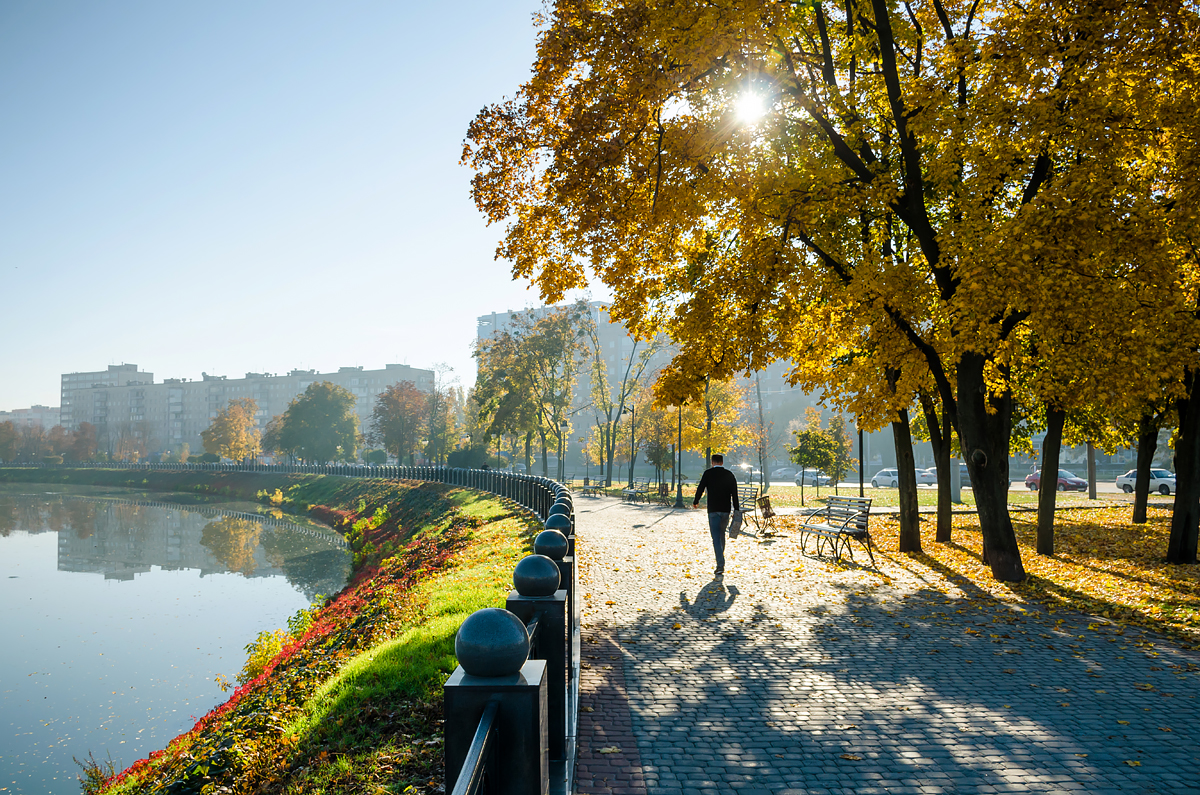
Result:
pixel 814 449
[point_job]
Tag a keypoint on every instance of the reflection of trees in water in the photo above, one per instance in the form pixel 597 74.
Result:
pixel 81 517
pixel 323 572
pixel 9 520
pixel 233 540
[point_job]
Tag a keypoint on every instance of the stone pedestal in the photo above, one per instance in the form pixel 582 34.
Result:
pixel 522 756
pixel 551 647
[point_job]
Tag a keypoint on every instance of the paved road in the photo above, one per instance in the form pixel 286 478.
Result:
pixel 792 675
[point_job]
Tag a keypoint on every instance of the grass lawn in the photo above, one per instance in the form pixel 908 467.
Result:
pixel 1103 566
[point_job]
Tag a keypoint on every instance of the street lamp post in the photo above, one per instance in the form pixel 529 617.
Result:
pixel 632 454
pixel 679 462
pixel 562 455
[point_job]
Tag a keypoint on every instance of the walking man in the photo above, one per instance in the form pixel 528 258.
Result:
pixel 721 486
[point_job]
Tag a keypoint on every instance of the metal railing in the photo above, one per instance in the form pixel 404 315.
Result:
pixel 474 777
pixel 531 491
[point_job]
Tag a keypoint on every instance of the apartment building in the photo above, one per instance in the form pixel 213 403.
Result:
pixel 41 416
pixel 124 402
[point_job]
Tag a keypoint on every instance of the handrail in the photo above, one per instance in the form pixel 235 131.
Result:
pixel 474 769
pixel 530 491
pixel 532 627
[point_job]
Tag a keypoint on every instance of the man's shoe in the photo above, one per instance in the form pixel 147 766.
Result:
pixel 718 572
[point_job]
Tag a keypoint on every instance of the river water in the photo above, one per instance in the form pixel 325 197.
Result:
pixel 119 609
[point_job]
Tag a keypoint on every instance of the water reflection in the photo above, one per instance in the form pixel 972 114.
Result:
pixel 122 610
pixel 120 539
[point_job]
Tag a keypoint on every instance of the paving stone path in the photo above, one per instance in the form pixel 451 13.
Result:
pixel 795 675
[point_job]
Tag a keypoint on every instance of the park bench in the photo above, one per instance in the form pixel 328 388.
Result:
pixel 748 502
pixel 842 520
pixel 640 490
pixel 593 488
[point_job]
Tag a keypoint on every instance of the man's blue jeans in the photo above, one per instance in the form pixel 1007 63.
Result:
pixel 718 523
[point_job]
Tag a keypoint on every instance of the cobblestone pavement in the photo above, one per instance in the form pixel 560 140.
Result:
pixel 795 675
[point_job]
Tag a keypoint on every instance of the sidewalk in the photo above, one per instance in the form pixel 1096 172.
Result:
pixel 793 675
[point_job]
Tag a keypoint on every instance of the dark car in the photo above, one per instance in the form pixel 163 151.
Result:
pixel 1067 481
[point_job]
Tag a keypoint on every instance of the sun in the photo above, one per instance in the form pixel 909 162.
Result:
pixel 750 107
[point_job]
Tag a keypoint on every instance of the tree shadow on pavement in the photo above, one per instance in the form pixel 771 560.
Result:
pixel 882 693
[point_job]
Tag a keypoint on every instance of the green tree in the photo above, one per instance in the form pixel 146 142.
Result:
pixel 814 449
pixel 319 426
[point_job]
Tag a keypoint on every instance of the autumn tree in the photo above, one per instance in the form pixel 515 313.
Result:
pixel 84 444
pixel 10 441
pixel 814 449
pixel 956 174
pixel 234 433
pixel 318 426
pixel 399 420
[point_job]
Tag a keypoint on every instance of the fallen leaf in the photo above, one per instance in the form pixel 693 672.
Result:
pixel 852 757
pixel 612 749
pixel 677 626
pixel 1123 722
pixel 587 709
pixel 1133 763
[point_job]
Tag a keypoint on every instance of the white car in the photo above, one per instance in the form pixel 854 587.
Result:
pixel 926 477
pixel 1161 481
pixel 886 478
pixel 784 473
pixel 813 477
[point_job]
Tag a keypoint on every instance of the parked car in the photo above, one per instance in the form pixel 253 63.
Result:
pixel 813 477
pixel 926 477
pixel 784 473
pixel 886 478
pixel 1161 481
pixel 1067 481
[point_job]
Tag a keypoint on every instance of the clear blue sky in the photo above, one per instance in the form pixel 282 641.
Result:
pixel 245 186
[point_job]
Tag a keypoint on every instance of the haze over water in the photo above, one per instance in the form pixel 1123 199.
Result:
pixel 118 617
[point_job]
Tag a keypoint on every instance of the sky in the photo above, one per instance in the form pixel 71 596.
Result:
pixel 232 187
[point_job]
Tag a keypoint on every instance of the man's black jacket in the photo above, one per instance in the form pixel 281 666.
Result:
pixel 722 490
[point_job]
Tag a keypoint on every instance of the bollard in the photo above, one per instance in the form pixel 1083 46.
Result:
pixel 491 646
pixel 536 579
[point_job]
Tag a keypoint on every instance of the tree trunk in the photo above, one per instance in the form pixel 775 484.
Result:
pixel 1048 487
pixel 528 452
pixel 1147 447
pixel 985 440
pixel 939 439
pixel 906 465
pixel 1185 517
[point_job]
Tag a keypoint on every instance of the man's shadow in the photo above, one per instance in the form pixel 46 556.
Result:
pixel 712 599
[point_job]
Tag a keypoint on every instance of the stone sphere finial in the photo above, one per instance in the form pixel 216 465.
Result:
pixel 558 521
pixel 551 543
pixel 536 575
pixel 492 642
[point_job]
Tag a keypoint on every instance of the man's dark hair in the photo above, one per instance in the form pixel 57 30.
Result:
pixel 717 458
